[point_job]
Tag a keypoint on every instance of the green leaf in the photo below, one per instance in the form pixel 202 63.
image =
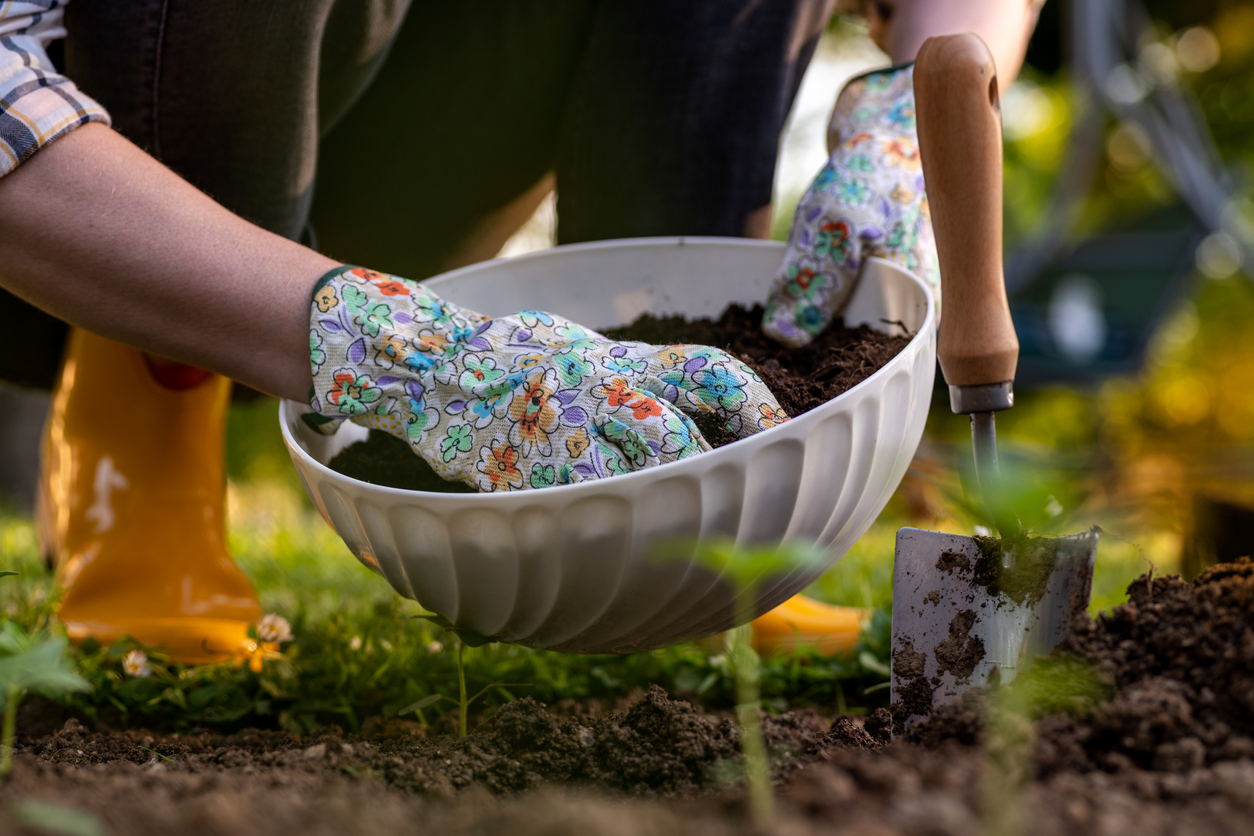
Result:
pixel 870 663
pixel 470 637
pixel 486 688
pixel 44 667
pixel 55 818
pixel 7 574
pixel 13 640
pixel 423 703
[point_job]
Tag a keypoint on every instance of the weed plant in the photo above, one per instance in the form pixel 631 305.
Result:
pixel 30 661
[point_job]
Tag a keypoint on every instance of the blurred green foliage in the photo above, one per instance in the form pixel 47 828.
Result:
pixel 360 650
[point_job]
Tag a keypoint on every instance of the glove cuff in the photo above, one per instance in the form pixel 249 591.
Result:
pixel 374 341
pixel 880 101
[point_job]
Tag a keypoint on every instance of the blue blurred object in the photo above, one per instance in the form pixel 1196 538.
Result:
pixel 1088 310
pixel 1092 313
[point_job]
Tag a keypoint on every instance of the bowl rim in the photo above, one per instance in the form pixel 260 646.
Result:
pixel 626 479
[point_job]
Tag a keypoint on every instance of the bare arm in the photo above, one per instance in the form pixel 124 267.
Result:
pixel 100 234
pixel 900 27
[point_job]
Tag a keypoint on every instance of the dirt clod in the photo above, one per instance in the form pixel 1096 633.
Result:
pixel 950 562
pixel 960 652
pixel 1179 661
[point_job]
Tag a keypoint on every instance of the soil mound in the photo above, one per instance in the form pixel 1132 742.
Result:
pixel 1178 660
pixel 658 746
pixel 660 766
pixel 1181 660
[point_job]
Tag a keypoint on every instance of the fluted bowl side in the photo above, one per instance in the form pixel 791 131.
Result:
pixel 575 567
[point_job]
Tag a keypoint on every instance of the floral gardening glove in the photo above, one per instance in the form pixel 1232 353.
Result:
pixel 522 401
pixel 868 200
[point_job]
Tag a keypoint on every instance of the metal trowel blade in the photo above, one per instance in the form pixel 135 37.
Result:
pixel 951 633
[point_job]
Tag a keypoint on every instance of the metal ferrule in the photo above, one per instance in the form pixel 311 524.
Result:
pixel 992 397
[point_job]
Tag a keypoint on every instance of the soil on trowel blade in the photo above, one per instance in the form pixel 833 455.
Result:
pixel 1028 576
pixel 801 379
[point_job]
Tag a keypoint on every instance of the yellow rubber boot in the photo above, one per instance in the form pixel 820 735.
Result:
pixel 803 622
pixel 130 508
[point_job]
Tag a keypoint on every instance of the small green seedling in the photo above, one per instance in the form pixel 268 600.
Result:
pixel 744 569
pixel 158 754
pixel 1043 498
pixel 462 702
pixel 36 662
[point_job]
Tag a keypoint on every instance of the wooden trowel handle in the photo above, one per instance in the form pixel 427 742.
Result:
pixel 959 121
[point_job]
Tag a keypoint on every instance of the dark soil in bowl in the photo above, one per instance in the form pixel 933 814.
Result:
pixel 801 379
pixel 384 459
pixel 1162 747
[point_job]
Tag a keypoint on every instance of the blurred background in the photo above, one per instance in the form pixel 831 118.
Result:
pixel 1128 238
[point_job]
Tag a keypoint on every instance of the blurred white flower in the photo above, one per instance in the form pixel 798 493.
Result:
pixel 385 644
pixel 135 663
pixel 355 643
pixel 435 647
pixel 274 628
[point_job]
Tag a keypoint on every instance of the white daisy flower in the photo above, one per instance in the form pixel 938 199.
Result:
pixel 136 664
pixel 274 628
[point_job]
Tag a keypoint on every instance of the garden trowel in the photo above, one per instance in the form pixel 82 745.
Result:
pixel 970 611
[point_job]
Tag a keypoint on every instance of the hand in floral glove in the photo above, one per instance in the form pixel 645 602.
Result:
pixel 522 401
pixel 868 200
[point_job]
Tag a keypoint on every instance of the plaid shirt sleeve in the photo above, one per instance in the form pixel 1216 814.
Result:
pixel 37 104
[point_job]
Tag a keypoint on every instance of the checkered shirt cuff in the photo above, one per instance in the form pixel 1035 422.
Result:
pixel 37 104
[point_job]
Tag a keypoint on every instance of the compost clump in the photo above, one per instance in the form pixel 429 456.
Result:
pixel 960 651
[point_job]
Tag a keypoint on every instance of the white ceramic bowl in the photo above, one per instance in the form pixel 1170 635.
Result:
pixel 571 567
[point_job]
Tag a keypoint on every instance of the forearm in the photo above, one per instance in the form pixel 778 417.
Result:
pixel 100 234
pixel 1005 25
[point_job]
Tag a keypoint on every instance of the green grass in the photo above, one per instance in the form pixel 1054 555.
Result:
pixel 362 650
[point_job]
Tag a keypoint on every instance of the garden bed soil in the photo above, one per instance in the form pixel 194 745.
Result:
pixel 800 378
pixel 1163 743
